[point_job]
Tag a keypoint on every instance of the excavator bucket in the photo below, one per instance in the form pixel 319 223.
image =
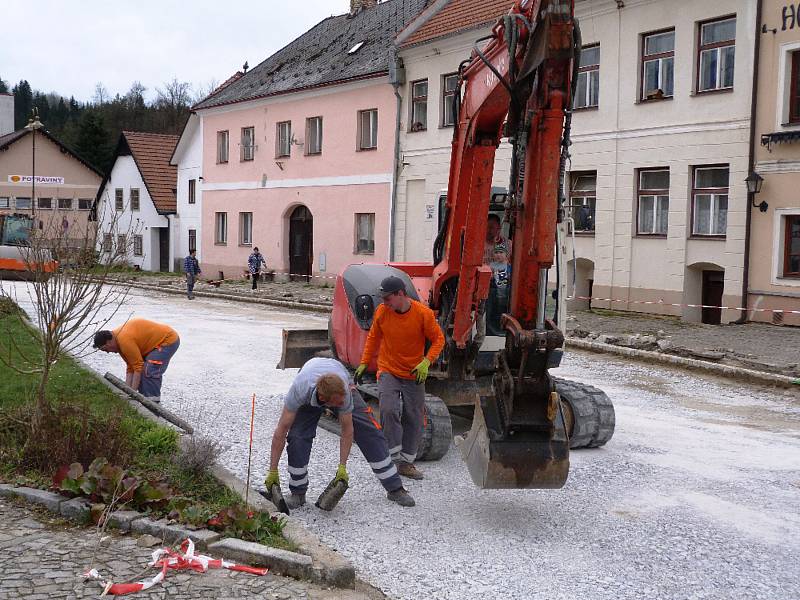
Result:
pixel 300 345
pixel 524 460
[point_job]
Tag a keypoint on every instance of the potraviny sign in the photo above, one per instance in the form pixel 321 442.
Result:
pixel 42 179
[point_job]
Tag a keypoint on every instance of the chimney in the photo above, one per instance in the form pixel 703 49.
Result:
pixel 358 5
pixel 6 113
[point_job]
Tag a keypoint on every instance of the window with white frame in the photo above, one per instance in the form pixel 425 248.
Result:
pixel 583 200
pixel 791 247
pixel 658 65
pixel 368 129
pixel 365 233
pixel 245 228
pixel 283 139
pixel 419 105
pixel 119 200
pixel 653 202
pixel 22 203
pixel 84 204
pixel 107 242
pixel 5 202
pixel 716 55
pixel 65 203
pixel 710 201
pixel 314 135
pixel 192 190
pixel 449 99
pixel 192 240
pixel 134 198
pixel 137 245
pixel 45 203
pixel 221 228
pixel 122 244
pixel 794 87
pixel 587 92
pixel 247 148
pixel 222 147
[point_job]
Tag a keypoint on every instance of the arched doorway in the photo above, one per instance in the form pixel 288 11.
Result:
pixel 301 250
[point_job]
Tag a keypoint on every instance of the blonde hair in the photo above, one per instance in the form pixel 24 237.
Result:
pixel 330 385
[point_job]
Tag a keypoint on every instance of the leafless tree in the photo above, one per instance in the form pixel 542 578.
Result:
pixel 203 90
pixel 101 95
pixel 69 266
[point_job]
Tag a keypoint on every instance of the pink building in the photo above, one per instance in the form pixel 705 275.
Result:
pixel 299 153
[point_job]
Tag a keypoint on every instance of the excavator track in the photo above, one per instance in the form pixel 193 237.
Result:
pixel 588 412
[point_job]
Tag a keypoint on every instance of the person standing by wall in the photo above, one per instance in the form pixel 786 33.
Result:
pixel 192 269
pixel 254 262
pixel 399 331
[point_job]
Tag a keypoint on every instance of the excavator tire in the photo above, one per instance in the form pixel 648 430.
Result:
pixel 591 412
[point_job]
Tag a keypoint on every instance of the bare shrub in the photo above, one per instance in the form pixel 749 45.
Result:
pixel 197 454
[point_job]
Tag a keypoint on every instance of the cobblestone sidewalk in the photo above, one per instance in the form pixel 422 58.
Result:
pixel 41 557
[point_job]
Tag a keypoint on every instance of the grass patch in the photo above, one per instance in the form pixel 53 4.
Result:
pixel 87 421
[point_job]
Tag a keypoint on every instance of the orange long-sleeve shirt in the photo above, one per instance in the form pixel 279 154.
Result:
pixel 400 338
pixel 138 337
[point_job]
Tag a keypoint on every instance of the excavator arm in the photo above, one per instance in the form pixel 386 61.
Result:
pixel 520 86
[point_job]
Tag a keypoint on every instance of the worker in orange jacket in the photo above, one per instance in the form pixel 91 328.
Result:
pixel 146 347
pixel 399 331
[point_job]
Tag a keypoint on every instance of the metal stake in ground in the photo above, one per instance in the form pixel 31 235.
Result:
pixel 250 451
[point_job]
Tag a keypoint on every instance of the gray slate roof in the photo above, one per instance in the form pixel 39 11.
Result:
pixel 319 56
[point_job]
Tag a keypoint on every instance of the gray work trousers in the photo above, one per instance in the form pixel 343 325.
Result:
pixel 190 279
pixel 402 403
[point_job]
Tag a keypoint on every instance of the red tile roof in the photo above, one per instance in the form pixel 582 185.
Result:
pixel 152 153
pixel 458 16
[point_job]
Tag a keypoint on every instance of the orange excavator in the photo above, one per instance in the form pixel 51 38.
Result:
pixel 519 85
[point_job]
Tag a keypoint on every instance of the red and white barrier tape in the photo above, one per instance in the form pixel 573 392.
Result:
pixel 167 559
pixel 679 305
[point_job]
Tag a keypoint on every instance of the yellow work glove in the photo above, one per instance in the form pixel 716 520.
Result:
pixel 273 478
pixel 341 474
pixel 421 370
pixel 359 376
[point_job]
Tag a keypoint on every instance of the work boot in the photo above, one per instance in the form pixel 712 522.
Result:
pixel 402 497
pixel 407 469
pixel 295 500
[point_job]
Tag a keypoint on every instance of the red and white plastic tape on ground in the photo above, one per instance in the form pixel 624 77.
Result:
pixel 167 559
pixel 679 305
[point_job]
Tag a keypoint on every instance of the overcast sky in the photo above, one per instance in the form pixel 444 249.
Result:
pixel 70 46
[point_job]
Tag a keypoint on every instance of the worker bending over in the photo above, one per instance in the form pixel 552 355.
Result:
pixel 399 331
pixel 146 347
pixel 325 383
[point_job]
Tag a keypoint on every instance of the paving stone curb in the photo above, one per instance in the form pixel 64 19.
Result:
pixel 750 375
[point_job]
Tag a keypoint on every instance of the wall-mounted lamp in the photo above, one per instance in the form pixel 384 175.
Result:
pixel 754 182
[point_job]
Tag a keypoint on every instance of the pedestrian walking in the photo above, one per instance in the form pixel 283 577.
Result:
pixel 254 262
pixel 146 347
pixel 324 383
pixel 191 267
pixel 400 328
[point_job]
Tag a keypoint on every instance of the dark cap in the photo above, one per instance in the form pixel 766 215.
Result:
pixel 390 285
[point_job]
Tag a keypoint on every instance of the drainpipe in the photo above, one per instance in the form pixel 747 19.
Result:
pixel 751 166
pixel 397 77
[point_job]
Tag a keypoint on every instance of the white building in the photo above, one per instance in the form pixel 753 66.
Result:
pixel 188 159
pixel 137 198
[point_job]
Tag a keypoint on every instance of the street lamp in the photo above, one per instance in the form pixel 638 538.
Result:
pixel 754 182
pixel 33 124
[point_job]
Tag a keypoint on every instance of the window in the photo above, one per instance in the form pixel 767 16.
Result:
pixel 368 129
pixel 5 202
pixel 119 203
pixel 106 242
pixel 134 198
pixel 137 245
pixel 587 94
pixel 653 205
pixel 245 228
pixel 314 135
pixel 23 203
pixel 791 253
pixel 221 228
pixel 247 147
pixel 222 147
pixel 122 243
pixel 84 204
pixel 794 90
pixel 192 240
pixel 583 200
pixel 65 203
pixel 192 190
pixel 419 105
pixel 46 203
pixel 716 56
pixel 283 139
pixel 449 97
pixel 365 233
pixel 710 201
pixel 658 63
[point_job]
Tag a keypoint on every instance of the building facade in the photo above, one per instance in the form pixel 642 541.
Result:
pixel 774 265
pixel 188 160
